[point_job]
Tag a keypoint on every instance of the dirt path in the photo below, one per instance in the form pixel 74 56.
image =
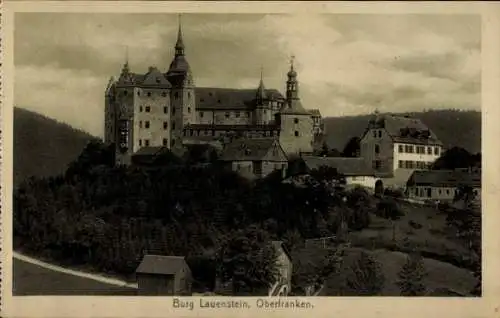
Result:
pixel 95 277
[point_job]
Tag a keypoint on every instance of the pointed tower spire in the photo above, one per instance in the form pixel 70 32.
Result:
pixel 261 90
pixel 179 45
pixel 125 68
pixel 292 85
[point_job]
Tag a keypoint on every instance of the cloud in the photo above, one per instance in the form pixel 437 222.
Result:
pixel 347 64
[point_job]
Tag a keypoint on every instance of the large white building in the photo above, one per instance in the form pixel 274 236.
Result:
pixel 395 146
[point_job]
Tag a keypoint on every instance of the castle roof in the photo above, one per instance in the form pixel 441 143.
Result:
pixel 210 98
pixel 445 178
pixel 405 129
pixel 232 127
pixel 254 149
pixel 345 166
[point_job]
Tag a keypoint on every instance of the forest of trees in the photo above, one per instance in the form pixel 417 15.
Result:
pixel 110 216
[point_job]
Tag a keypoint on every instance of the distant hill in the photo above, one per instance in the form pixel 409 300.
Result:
pixel 453 127
pixel 43 146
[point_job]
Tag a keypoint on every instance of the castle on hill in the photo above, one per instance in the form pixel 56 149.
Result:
pixel 166 110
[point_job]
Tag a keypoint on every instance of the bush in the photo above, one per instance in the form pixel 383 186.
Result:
pixel 389 209
pixel 365 277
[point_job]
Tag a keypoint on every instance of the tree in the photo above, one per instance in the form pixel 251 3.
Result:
pixel 365 277
pixel 412 275
pixel 247 260
pixel 352 148
pixel 389 209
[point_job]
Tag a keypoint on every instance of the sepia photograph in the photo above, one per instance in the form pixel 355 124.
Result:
pixel 212 158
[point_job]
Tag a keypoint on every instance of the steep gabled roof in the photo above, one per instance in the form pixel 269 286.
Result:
pixel 253 149
pixel 159 264
pixel 155 78
pixel 405 129
pixel 345 166
pixel 209 98
pixel 444 178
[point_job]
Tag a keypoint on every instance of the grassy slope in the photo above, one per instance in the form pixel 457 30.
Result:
pixel 30 279
pixel 43 146
pixel 442 122
pixel 439 274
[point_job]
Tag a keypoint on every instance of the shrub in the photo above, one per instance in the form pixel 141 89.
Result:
pixel 411 276
pixel 365 277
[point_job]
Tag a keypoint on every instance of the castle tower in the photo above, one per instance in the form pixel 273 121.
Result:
pixel 109 112
pixel 262 113
pixel 296 125
pixel 182 94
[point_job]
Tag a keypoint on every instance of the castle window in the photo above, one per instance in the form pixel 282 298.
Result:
pixel 248 114
pixel 201 114
pixel 148 109
pixel 377 149
pixel 165 109
pixel 436 151
pixel 125 93
pixel 296 120
pixel 189 110
pixel 237 114
pixel 140 109
pixel 140 142
pixel 173 142
pixel 400 148
pixel 146 124
pixel 165 141
pixel 140 124
pixel 429 150
pixel 191 132
pixel 189 94
pixel 227 114
pixel 149 94
pixel 173 110
pixel 146 142
pixel 165 125
pixel 296 133
pixel 138 93
pixel 380 134
pixel 375 133
pixel 173 125
pixel 164 94
pixel 401 165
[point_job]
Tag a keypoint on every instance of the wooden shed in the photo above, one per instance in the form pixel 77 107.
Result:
pixel 159 275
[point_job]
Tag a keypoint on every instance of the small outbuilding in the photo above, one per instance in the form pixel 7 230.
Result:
pixel 159 275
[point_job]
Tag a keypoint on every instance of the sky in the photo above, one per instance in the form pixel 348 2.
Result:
pixel 347 64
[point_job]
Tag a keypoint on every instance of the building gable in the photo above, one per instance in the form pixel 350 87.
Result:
pixel 275 153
